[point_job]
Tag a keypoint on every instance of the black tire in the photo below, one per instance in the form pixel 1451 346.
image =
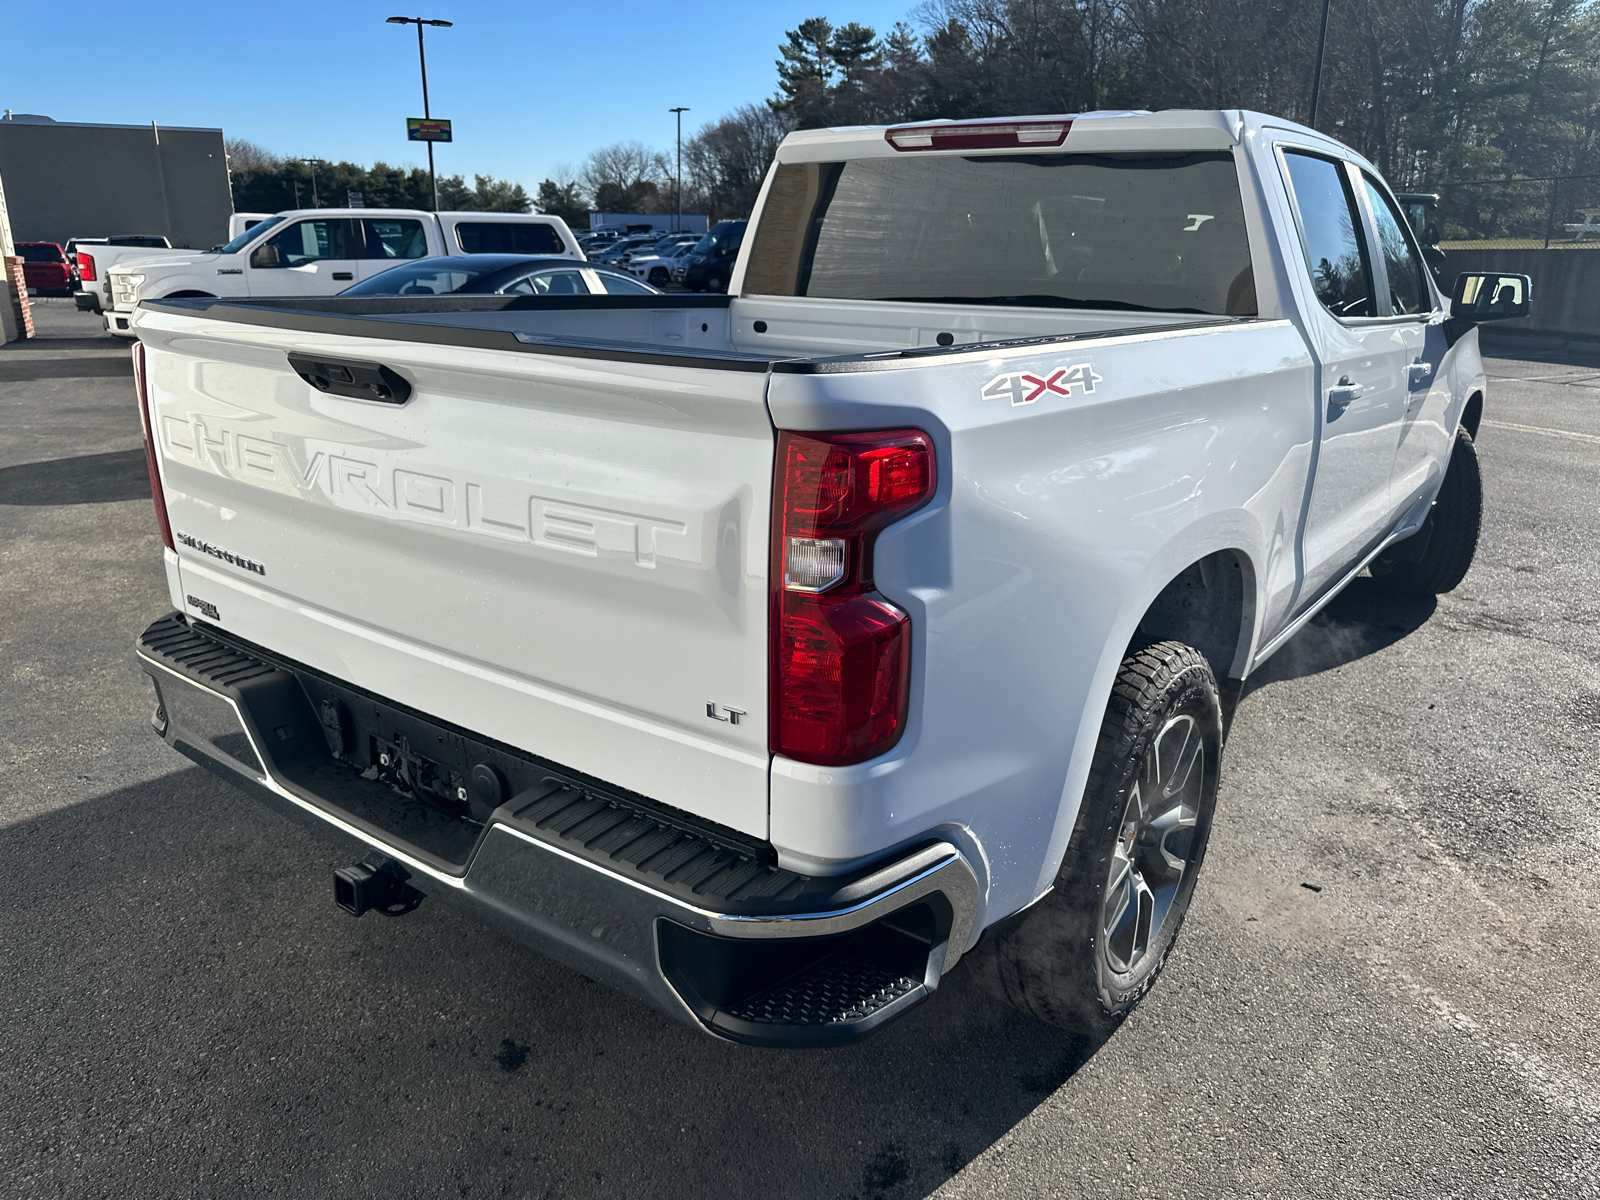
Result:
pixel 714 283
pixel 1067 960
pixel 1448 539
pixel 658 277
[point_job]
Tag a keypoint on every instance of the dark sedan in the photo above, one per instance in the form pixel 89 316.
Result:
pixel 500 275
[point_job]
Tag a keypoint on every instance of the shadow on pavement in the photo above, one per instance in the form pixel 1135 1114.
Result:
pixel 1540 350
pixel 45 340
pixel 100 366
pixel 84 479
pixel 181 978
pixel 1359 621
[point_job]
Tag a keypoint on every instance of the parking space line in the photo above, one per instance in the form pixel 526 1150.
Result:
pixel 1560 433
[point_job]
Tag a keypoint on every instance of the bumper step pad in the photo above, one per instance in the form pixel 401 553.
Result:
pixel 844 987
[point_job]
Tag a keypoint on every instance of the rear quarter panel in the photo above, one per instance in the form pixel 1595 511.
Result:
pixel 1055 524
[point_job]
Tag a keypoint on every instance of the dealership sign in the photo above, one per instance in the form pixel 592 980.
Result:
pixel 427 129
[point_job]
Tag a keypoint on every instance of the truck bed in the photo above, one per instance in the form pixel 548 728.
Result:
pixel 717 332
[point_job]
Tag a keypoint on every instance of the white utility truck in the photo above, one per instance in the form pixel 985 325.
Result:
pixel 764 654
pixel 322 251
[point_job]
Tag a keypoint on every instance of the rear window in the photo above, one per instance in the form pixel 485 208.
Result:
pixel 1161 233
pixel 138 239
pixel 509 237
pixel 41 254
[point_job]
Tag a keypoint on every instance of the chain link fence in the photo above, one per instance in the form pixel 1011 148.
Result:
pixel 1559 213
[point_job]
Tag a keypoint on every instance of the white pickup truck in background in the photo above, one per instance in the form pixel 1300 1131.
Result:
pixel 96 256
pixel 322 251
pixel 765 654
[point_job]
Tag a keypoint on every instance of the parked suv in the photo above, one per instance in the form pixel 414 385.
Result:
pixel 47 268
pixel 711 262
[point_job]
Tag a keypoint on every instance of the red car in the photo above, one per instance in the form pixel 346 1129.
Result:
pixel 47 268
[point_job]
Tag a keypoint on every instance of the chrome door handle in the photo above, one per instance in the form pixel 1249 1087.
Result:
pixel 1420 372
pixel 1341 397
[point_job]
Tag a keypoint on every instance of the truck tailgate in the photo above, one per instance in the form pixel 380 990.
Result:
pixel 563 554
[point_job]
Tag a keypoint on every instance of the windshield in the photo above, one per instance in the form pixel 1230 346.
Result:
pixel 1150 232
pixel 248 236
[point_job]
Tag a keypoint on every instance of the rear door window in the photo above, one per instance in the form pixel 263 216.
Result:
pixel 1155 232
pixel 40 254
pixel 1336 253
pixel 509 237
pixel 394 238
pixel 1408 290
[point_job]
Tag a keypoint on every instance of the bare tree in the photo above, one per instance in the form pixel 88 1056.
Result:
pixel 246 156
pixel 726 161
pixel 625 177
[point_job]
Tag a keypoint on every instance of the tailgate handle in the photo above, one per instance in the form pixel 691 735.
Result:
pixel 356 380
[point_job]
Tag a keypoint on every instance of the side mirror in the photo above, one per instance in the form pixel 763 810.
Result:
pixel 267 256
pixel 1490 296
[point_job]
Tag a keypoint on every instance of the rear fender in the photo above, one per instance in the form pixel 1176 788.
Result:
pixel 1234 531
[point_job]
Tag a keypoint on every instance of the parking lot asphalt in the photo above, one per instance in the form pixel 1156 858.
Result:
pixel 1387 985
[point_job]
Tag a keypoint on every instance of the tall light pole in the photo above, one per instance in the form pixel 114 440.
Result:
pixel 312 163
pixel 422 57
pixel 677 225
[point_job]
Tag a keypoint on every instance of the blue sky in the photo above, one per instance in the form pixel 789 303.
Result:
pixel 527 85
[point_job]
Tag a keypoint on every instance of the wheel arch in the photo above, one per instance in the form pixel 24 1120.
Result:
pixel 189 294
pixel 1472 414
pixel 1210 604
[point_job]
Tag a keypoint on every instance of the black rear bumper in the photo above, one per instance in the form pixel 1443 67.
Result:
pixel 692 917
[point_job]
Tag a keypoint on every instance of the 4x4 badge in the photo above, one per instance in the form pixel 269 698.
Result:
pixel 1024 388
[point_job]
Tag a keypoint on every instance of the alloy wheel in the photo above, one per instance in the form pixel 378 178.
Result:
pixel 1154 843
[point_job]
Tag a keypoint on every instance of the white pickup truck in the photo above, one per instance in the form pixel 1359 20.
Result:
pixel 322 251
pixel 96 256
pixel 766 653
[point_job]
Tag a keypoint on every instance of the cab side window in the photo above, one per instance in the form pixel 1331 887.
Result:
pixel 1408 290
pixel 395 238
pixel 312 241
pixel 1336 254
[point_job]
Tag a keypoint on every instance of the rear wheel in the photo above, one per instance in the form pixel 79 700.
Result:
pixel 1436 558
pixel 714 283
pixel 658 277
pixel 1083 956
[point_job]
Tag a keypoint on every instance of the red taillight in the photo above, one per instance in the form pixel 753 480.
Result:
pixel 156 493
pixel 85 267
pixel 841 654
pixel 979 135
